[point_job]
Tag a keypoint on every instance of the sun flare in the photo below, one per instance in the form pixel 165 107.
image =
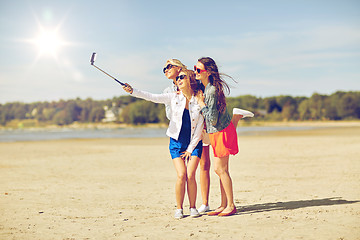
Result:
pixel 48 43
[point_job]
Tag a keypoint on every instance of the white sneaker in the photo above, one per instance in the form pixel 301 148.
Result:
pixel 194 212
pixel 244 113
pixel 203 209
pixel 179 214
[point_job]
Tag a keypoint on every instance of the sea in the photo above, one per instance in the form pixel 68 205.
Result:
pixel 126 132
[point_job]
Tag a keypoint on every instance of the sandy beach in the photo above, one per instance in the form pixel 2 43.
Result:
pixel 287 185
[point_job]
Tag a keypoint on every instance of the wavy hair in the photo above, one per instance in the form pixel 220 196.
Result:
pixel 216 79
pixel 193 83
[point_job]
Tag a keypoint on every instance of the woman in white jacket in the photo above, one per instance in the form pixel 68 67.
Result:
pixel 185 129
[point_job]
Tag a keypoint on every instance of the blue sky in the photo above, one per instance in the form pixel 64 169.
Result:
pixel 269 47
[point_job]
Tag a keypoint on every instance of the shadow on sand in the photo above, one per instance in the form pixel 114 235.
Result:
pixel 267 207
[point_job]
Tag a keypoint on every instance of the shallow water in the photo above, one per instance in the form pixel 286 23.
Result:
pixel 69 133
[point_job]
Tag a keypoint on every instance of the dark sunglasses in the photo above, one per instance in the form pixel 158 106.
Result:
pixel 198 70
pixel 169 66
pixel 180 77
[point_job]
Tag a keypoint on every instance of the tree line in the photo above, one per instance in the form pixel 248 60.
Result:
pixel 127 109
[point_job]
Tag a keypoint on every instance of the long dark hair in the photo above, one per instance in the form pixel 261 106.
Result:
pixel 216 79
pixel 194 85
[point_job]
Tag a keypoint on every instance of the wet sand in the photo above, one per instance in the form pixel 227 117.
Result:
pixel 287 185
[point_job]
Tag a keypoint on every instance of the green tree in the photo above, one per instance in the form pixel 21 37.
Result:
pixel 289 111
pixel 304 110
pixel 331 108
pixel 48 113
pixel 349 106
pixel 141 112
pixel 316 104
pixel 60 118
pixel 73 111
pixel 271 105
pixel 97 114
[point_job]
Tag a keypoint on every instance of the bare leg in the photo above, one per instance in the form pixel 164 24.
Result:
pixel 235 119
pixel 191 181
pixel 205 175
pixel 239 114
pixel 180 181
pixel 223 196
pixel 222 170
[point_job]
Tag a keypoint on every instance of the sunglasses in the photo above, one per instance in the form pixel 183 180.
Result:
pixel 198 70
pixel 169 66
pixel 180 77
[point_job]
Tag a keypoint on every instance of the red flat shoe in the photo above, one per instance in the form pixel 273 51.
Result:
pixel 228 214
pixel 213 213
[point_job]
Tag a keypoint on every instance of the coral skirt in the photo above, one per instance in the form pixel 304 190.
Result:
pixel 225 142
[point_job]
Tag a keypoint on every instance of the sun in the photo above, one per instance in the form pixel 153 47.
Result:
pixel 48 42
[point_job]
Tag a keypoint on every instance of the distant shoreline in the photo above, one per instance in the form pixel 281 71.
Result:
pixel 342 123
pixel 97 131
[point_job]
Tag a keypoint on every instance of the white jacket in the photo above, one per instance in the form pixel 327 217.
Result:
pixel 171 89
pixel 177 102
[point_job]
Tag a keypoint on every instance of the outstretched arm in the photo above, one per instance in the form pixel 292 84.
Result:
pixel 156 98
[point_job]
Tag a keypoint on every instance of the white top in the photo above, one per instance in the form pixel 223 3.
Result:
pixel 170 89
pixel 177 102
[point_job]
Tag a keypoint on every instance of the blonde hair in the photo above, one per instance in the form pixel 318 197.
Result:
pixel 175 62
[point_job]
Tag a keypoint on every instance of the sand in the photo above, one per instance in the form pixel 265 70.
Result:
pixel 287 185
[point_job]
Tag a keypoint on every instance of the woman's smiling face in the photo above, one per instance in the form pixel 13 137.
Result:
pixel 183 81
pixel 201 73
pixel 172 72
